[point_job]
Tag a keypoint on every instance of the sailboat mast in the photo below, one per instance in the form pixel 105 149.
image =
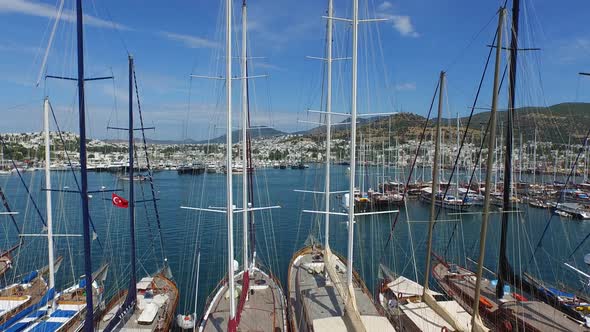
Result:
pixel 435 170
pixel 503 265
pixel 228 166
pixel 535 158
pixel 555 167
pixel 132 292
pixel 244 138
pixel 520 158
pixel 355 22
pixel 476 321
pixel 89 321
pixel 48 195
pixel 328 126
pixel 457 167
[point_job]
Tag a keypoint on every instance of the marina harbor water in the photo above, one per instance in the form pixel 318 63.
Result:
pixel 183 232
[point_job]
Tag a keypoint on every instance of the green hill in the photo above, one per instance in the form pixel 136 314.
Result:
pixel 557 124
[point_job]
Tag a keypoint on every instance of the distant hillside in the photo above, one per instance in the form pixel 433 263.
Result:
pixel 555 123
pixel 255 132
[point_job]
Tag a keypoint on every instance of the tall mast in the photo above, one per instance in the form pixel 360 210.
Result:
pixel 243 61
pixel 427 296
pixel 503 265
pixel 586 163
pixel 328 129
pixel 48 196
pixel 355 23
pixel 435 185
pixel 128 305
pixel 535 158
pixel 131 292
pixel 457 168
pixel 89 321
pixel 520 159
pixel 476 321
pixel 232 326
pixel 555 167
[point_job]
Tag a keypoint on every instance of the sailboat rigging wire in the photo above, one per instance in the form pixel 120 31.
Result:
pixel 149 168
pixel 483 74
pixel 418 148
pixel 479 152
pixel 22 180
pixel 9 210
pixel 561 198
pixel 145 207
pixel 71 167
pixel 50 42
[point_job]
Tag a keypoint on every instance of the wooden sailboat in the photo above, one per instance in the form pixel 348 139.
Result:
pixel 6 255
pixel 20 298
pixel 325 293
pixel 149 304
pixel 261 302
pixel 64 311
pixel 6 259
pixel 409 305
pixel 493 302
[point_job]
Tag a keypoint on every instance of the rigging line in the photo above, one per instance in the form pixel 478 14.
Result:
pixel 50 42
pixel 116 27
pixel 71 167
pixel 418 148
pixel 455 165
pixel 149 168
pixel 249 168
pixel 473 39
pixel 477 160
pixel 9 210
pixel 144 201
pixel 562 197
pixel 22 180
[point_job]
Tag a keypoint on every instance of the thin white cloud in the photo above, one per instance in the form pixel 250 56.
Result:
pixel 408 86
pixel 31 8
pixel 402 23
pixel 189 41
pixel 385 5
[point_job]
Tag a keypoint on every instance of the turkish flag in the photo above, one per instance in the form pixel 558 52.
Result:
pixel 119 201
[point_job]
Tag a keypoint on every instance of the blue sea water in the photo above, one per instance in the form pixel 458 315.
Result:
pixel 279 232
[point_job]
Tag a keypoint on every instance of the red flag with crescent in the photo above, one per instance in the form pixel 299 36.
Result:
pixel 119 201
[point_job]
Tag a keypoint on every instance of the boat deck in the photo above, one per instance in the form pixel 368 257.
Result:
pixel 16 297
pixel 157 298
pixel 529 314
pixel 313 298
pixel 412 314
pixel 5 264
pixel 264 310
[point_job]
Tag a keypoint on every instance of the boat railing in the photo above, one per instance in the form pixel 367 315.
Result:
pixel 212 296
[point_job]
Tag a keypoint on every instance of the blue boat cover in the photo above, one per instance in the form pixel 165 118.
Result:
pixel 30 277
pixel 64 313
pixel 25 312
pixel 82 283
pixel 48 326
pixel 558 292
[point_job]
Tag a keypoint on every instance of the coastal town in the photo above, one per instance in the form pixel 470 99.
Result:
pixel 26 151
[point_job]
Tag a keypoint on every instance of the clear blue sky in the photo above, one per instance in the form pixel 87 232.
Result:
pixel 399 59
